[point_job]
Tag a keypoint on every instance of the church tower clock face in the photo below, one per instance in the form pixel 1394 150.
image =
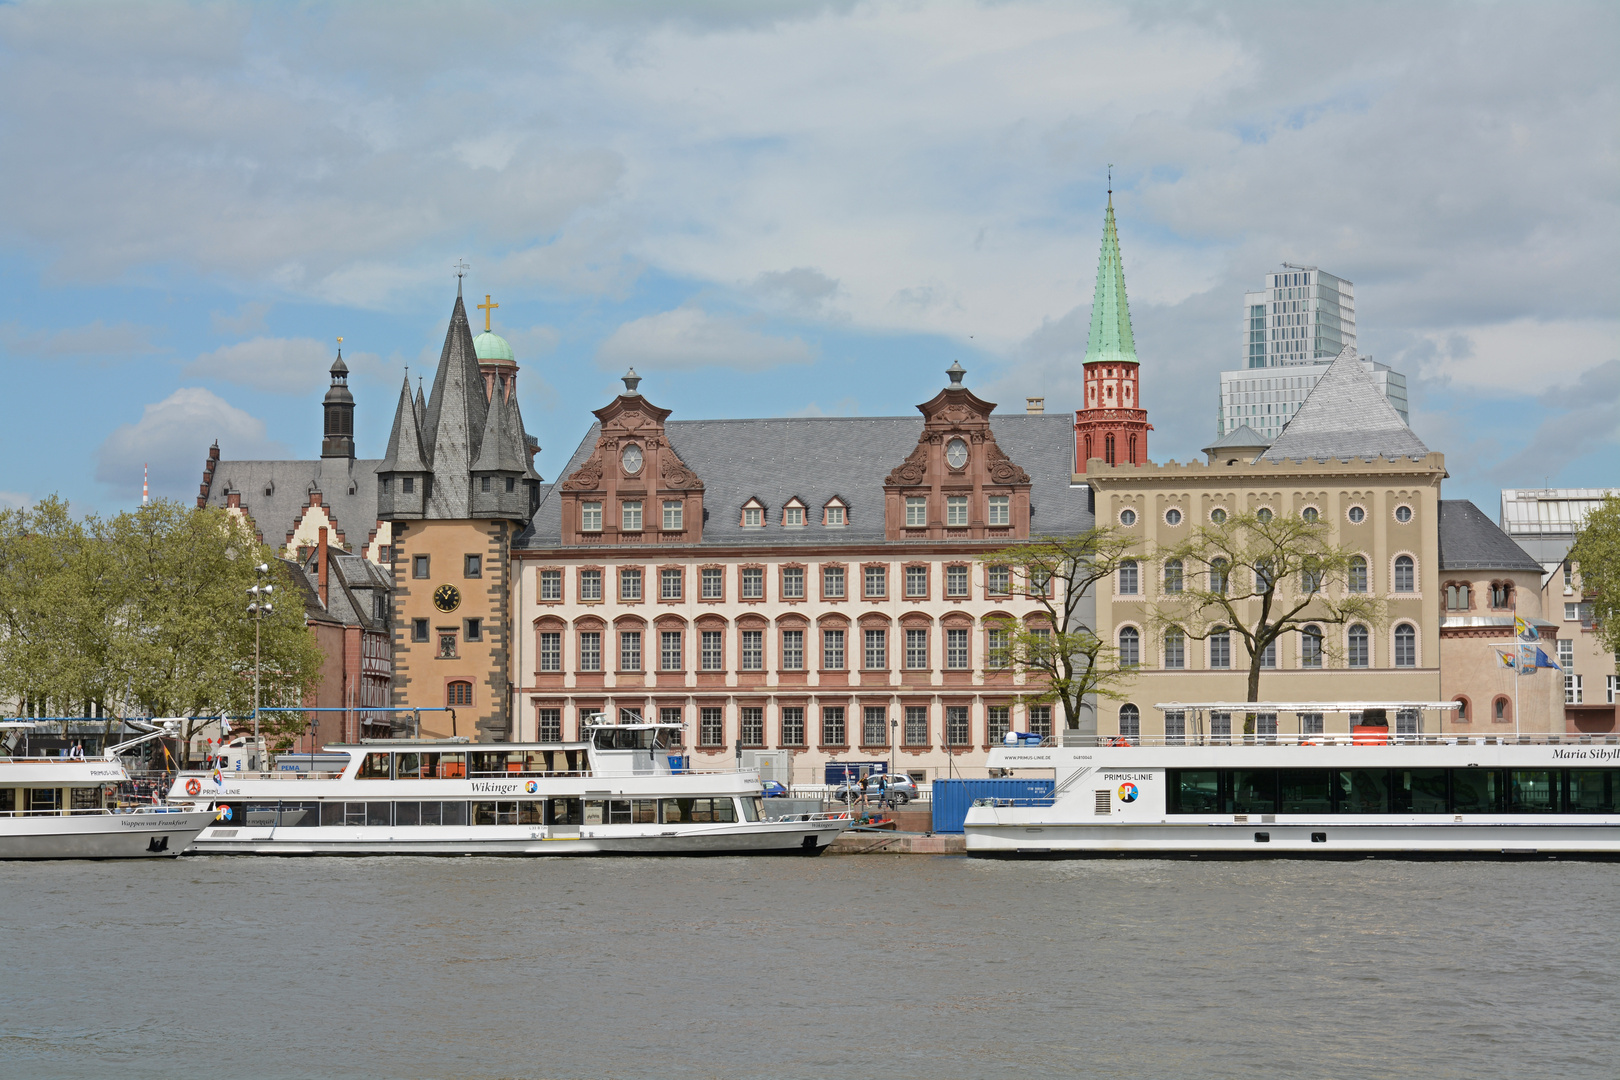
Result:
pixel 632 459
pixel 956 453
pixel 447 598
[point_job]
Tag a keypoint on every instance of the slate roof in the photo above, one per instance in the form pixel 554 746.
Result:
pixel 352 583
pixel 275 514
pixel 816 458
pixel 453 427
pixel 1471 541
pixel 1345 417
pixel 1244 437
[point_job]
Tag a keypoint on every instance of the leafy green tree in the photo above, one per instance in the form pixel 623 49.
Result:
pixel 1062 657
pixel 1596 555
pixel 1261 577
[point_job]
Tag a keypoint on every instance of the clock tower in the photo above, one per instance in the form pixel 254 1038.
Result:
pixel 458 485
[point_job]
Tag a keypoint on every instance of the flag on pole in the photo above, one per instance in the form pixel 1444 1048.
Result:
pixel 1543 661
pixel 1507 661
pixel 1523 629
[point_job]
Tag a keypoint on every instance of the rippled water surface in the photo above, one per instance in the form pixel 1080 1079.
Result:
pixel 829 967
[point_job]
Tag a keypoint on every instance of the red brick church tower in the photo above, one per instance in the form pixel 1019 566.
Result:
pixel 1111 425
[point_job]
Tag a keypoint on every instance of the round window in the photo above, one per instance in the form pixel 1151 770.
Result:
pixel 1403 514
pixel 1263 514
pixel 1127 518
pixel 1172 516
pixel 1309 513
pixel 1357 515
pixel 631 457
pixel 1218 516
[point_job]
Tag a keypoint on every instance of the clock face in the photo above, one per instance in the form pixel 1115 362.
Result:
pixel 632 459
pixel 956 453
pixel 447 598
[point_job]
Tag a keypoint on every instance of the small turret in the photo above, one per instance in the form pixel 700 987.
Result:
pixel 403 474
pixel 338 405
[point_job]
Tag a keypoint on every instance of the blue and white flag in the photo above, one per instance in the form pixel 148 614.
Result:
pixel 1543 661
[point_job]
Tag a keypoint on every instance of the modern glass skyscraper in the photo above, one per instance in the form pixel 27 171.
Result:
pixel 1302 315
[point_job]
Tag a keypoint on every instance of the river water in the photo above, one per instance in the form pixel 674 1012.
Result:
pixel 791 967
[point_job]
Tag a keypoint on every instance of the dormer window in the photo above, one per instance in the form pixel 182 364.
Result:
pixel 916 511
pixel 834 514
pixel 590 517
pixel 793 515
pixel 753 515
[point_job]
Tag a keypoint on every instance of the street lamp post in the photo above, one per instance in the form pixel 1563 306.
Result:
pixel 259 607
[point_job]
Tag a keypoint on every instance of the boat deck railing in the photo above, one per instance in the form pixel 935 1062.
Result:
pixel 827 815
pixel 1360 738
pixel 95 810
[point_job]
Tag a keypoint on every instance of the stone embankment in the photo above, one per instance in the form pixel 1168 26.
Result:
pixel 910 836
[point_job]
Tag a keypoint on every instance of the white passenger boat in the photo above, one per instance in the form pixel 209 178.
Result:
pixel 1315 795
pixel 58 808
pixel 613 793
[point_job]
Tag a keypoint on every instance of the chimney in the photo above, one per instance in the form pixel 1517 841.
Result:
pixel 1034 405
pixel 322 565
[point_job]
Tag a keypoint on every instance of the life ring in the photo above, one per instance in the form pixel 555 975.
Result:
pixel 1119 740
pixel 193 786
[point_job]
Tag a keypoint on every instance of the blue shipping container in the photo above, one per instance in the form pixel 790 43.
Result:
pixel 839 772
pixel 952 798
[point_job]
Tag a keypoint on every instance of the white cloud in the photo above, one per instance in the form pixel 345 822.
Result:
pixel 1518 357
pixel 94 339
pixel 172 438
pixel 689 338
pixel 16 500
pixel 276 365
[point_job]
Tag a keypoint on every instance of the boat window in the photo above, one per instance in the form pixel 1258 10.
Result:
pixel 494 813
pixel 450 813
pixel 374 767
pixel 618 812
pixel 1194 791
pixel 1532 791
pixel 537 761
pixel 442 766
pixel 44 800
pixel 1418 791
pixel 644 811
pixel 1591 791
pixel 379 813
pixel 407 813
pixel 752 807
pixel 85 798
pixel 707 811
pixel 1475 791
pixel 260 815
pixel 595 812
pixel 1304 791
pixel 503 761
pixel 565 811
pixel 407 766
pixel 1363 791
pixel 299 815
pixel 8 800
pixel 1254 791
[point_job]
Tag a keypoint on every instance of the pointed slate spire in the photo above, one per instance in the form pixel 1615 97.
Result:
pixel 501 447
pixel 1345 416
pixel 454 426
pixel 405 440
pixel 1110 337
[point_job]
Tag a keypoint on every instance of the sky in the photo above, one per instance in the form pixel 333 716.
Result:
pixel 789 209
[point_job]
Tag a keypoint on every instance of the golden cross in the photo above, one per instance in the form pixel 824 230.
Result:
pixel 486 307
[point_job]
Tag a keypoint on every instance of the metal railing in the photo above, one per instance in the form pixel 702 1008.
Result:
pixel 1363 738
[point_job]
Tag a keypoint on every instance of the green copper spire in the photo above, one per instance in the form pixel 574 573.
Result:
pixel 1110 337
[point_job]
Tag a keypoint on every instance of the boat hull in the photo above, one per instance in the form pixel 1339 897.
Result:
pixel 101 836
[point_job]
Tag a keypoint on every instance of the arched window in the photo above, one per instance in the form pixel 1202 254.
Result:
pixel 1175 648
pixel 1357 578
pixel 1172 575
pixel 1404 575
pixel 458 693
pixel 1128 578
pixel 1264 577
pixel 1458 598
pixel 1405 646
pixel 1310 649
pixel 1088 437
pixel 1358 646
pixel 1462 709
pixel 1501 594
pixel 1108 448
pixel 1218 576
pixel 1130 647
pixel 1499 711
pixel 1133 438
pixel 1310 578
pixel 1130 721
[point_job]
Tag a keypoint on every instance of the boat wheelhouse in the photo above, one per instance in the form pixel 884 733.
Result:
pixel 1304 794
pixel 65 807
pixel 625 789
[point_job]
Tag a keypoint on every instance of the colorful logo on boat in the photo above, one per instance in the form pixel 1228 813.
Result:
pixel 224 813
pixel 219 778
pixel 531 787
pixel 1127 793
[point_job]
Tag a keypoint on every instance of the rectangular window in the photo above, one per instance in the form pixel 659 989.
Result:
pixel 956 649
pixel 590 584
pixel 1572 612
pixel 473 629
pixel 1220 649
pixel 916 511
pixel 957 729
pixel 793 725
pixel 877 582
pixel 753 583
pixel 714 583
pixel 916 649
pixel 1040 721
pixel 917 582
pixel 629 650
pixel 793 583
pixel 1000 510
pixel 550 651
pixel 793 650
pixel 1572 689
pixel 472 566
pixel 548 725
pixel 1566 653
pixel 956 581
pixel 1268 656
pixel 876 656
pixel 419 566
pixel 1175 726
pixel 590 517
pixel 835 514
pixel 1128 578
pixel 1175 649
pixel 714 650
pixel 630 515
pixel 419 629
pixel 590 650
pixel 483 484
pixel 875 726
pixel 997 720
pixel 1000 654
pixel 1612 682
pixel 671 714
pixel 672 515
pixel 753 517
pixel 630 583
pixel 956 510
pixel 832 582
pixel 751 725
pixel 916 725
pixel 793 516
pixel 998 579
pixel 669 650
pixel 832 726
pixel 551 585
pixel 711 726
pixel 832 650
pixel 753 650
pixel 671 583
pixel 407 484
